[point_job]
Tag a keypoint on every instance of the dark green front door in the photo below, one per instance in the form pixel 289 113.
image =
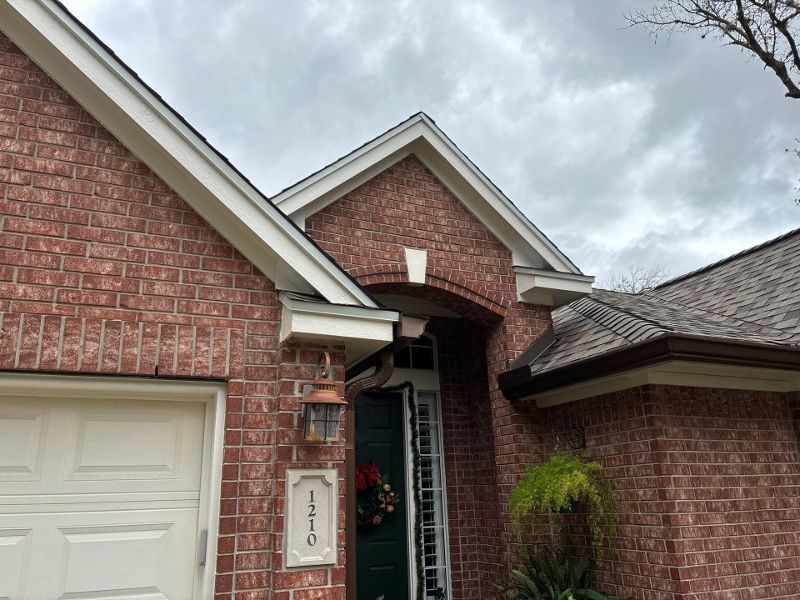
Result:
pixel 383 551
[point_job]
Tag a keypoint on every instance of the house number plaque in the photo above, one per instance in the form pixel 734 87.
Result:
pixel 312 500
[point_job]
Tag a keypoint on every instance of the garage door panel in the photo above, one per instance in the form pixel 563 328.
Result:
pixel 23 432
pixel 142 556
pixel 96 447
pixel 125 445
pixel 157 441
pixel 99 497
pixel 20 504
pixel 105 554
pixel 14 554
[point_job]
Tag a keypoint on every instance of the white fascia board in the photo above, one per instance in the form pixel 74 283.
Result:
pixel 362 331
pixel 528 245
pixel 676 373
pixel 177 154
pixel 421 137
pixel 324 187
pixel 539 286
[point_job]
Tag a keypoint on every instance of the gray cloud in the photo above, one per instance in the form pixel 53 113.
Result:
pixel 622 151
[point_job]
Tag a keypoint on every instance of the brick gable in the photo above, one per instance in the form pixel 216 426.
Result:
pixel 406 205
pixel 105 270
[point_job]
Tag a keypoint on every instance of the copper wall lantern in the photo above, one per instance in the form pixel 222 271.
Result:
pixel 322 406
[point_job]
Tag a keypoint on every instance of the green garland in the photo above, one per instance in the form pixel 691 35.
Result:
pixel 408 388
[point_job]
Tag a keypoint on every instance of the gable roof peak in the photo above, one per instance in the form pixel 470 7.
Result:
pixel 419 135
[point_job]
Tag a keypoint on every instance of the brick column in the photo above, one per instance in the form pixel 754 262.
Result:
pixel 297 367
pixel 514 425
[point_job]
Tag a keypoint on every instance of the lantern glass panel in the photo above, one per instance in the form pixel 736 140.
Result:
pixel 321 421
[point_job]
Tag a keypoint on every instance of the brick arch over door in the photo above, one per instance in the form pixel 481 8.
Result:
pixel 453 295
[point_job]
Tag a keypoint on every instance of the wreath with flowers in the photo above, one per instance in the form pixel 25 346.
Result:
pixel 375 496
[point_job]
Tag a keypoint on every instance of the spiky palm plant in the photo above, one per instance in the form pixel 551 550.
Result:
pixel 551 577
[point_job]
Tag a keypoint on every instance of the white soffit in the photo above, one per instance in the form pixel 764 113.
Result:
pixel 552 288
pixel 420 136
pixel 159 137
pixel 362 331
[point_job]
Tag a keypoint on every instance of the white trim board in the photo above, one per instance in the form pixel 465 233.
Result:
pixel 214 395
pixel 154 133
pixel 420 136
pixel 675 373
pixel 362 331
pixel 552 288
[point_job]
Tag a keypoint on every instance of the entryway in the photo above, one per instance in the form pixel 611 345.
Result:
pixel 398 555
pixel 105 487
pixel 383 550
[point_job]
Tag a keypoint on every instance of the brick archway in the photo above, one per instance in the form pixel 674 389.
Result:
pixel 481 307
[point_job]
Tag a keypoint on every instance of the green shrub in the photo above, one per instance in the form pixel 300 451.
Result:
pixel 550 577
pixel 562 483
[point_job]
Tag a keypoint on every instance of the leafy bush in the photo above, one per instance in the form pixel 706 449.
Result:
pixel 550 577
pixel 559 485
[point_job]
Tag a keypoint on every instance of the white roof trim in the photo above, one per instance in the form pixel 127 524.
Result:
pixel 362 331
pixel 676 373
pixel 420 136
pixel 186 162
pixel 540 286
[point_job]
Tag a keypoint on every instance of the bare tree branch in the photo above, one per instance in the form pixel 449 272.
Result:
pixel 766 29
pixel 636 279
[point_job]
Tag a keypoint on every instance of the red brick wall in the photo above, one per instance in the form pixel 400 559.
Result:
pixel 707 484
pixel 103 269
pixel 366 230
pixel 473 504
pixel 471 272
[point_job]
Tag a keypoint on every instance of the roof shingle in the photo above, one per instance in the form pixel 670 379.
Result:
pixel 752 296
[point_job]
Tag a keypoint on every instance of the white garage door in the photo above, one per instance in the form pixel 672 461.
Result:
pixel 99 497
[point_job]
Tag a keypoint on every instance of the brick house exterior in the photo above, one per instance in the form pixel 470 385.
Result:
pixel 706 484
pixel 105 271
pixel 130 260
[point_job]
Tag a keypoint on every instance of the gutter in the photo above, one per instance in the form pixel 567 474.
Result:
pixel 520 382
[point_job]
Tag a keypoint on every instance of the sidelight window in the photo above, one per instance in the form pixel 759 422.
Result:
pixel 434 530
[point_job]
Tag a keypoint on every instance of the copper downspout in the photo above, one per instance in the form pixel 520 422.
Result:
pixel 383 371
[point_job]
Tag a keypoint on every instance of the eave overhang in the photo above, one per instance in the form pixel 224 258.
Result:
pixel 694 357
pixel 362 331
pixel 551 288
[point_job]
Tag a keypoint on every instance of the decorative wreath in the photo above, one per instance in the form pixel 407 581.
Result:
pixel 375 496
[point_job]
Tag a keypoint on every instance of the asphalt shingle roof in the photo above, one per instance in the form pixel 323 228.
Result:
pixel 753 296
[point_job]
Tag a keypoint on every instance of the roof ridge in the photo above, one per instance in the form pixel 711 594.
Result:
pixel 728 259
pixel 620 311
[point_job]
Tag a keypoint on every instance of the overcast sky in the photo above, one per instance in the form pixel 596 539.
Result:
pixel 624 152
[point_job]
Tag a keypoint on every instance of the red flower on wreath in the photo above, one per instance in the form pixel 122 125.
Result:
pixel 367 475
pixel 375 496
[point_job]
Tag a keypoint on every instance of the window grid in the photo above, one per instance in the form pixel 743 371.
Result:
pixel 432 507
